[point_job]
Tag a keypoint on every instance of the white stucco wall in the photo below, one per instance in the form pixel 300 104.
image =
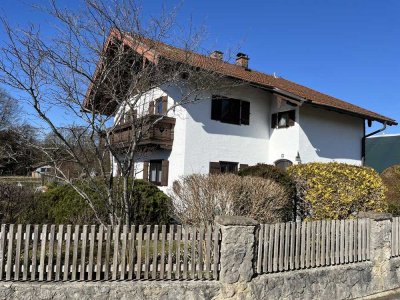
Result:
pixel 212 141
pixel 327 135
pixel 284 142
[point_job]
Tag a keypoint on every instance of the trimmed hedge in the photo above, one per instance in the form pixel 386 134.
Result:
pixel 391 179
pixel 61 204
pixel 337 190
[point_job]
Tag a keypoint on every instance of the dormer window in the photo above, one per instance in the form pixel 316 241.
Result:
pixel 283 119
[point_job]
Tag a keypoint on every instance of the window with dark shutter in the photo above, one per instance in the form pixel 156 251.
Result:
pixel 155 171
pixel 215 168
pixel 151 108
pixel 245 113
pixel 283 119
pixel 216 108
pixel 146 171
pixel 164 172
pixel 231 111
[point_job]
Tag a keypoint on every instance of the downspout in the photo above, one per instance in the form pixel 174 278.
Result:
pixel 368 135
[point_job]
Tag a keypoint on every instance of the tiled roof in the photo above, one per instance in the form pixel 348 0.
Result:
pixel 261 79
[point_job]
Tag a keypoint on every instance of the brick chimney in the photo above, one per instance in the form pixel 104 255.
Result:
pixel 217 55
pixel 242 60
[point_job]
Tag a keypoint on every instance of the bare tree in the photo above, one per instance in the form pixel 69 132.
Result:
pixel 100 64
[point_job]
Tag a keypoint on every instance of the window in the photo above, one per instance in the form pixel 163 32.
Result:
pixel 158 106
pixel 283 164
pixel 155 173
pixel 231 111
pixel 283 119
pixel 223 167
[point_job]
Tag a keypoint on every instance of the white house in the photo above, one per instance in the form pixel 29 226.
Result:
pixel 264 120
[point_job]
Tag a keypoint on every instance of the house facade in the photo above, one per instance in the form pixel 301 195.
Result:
pixel 273 131
pixel 265 119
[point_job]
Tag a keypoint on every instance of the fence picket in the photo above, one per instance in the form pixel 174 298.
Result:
pixel 170 243
pixel 132 252
pixel 26 253
pixel 34 251
pixel 66 255
pixel 155 253
pixel 308 244
pixel 162 259
pixel 260 248
pixel 51 253
pixel 359 241
pixel 208 252
pixel 341 233
pixel 346 241
pixel 147 252
pixel 75 253
pixel 351 241
pixel 83 253
pixel 303 245
pixel 107 256
pixel 185 252
pixel 3 235
pixel 324 244
pixel 99 252
pixel 287 245
pixel 59 237
pixel 178 251
pixel 43 238
pixel 200 251
pixel 92 238
pixel 292 244
pixel 193 254
pixel 114 271
pixel 18 252
pixel 298 245
pixel 318 244
pixel 124 238
pixel 276 247
pixel 139 253
pixel 216 252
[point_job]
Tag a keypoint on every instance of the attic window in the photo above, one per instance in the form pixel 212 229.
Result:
pixel 283 119
pixel 231 111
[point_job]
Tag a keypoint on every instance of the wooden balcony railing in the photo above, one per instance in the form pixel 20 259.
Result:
pixel 160 135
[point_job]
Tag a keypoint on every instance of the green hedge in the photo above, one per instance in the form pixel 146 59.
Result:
pixel 391 179
pixel 61 204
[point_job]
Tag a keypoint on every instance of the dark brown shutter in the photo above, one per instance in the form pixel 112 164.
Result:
pixel 215 168
pixel 151 108
pixel 243 166
pixel 164 174
pixel 292 117
pixel 216 108
pixel 274 120
pixel 245 113
pixel 146 171
pixel 164 104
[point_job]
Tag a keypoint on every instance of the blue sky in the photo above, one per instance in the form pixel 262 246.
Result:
pixel 349 49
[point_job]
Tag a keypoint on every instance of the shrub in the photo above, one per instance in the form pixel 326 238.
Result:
pixel 61 204
pixel 14 200
pixel 337 191
pixel 391 179
pixel 198 199
pixel 273 173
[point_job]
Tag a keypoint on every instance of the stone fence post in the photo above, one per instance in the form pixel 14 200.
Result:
pixel 380 248
pixel 237 248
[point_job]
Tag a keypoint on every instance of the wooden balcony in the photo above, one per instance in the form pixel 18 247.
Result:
pixel 160 136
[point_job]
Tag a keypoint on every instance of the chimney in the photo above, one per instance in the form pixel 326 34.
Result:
pixel 242 60
pixel 217 55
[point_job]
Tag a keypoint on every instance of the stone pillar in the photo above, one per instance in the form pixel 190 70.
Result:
pixel 380 248
pixel 237 248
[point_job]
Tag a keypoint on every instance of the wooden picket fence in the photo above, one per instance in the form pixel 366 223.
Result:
pixel 395 236
pixel 73 252
pixel 300 245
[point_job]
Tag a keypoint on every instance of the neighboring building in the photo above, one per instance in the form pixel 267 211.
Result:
pixel 266 120
pixel 42 170
pixel 382 151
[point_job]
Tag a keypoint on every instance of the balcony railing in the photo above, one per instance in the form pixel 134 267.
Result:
pixel 160 135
